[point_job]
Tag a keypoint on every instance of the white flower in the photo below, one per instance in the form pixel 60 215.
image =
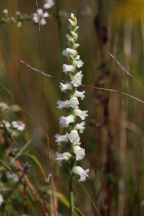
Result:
pixel 74 137
pixel 79 94
pixel 64 156
pixel 79 63
pixel 77 80
pixel 72 22
pixel 80 127
pixel 76 45
pixel 12 176
pixel 62 104
pixel 81 172
pixel 48 4
pixel 68 68
pixel 66 86
pixel 74 35
pixel 1 199
pixel 40 16
pixel 65 121
pixel 68 51
pixel 19 125
pixel 5 11
pixel 61 138
pixel 68 36
pixel 79 152
pixel 81 114
pixel 73 103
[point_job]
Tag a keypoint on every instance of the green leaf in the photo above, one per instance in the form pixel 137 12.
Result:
pixel 63 200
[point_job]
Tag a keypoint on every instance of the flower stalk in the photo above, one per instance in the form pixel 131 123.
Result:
pixel 73 152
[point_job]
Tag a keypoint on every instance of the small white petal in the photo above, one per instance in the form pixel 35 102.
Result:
pixel 81 172
pixel 81 114
pixel 68 68
pixel 35 18
pixel 65 87
pixel 43 22
pixel 46 14
pixel 64 156
pixel 74 137
pixel 76 45
pixel 73 103
pixel 78 63
pixel 5 11
pixel 77 80
pixel 62 104
pixel 49 4
pixel 71 51
pixel 78 57
pixel 79 152
pixel 72 22
pixel 61 138
pixel 80 127
pixel 1 200
pixel 65 53
pixel 74 35
pixel 65 121
pixel 68 36
pixel 40 11
pixel 80 94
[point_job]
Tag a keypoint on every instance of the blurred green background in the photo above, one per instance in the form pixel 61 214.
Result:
pixel 113 138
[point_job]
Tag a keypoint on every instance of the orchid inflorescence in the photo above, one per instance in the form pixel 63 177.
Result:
pixel 74 152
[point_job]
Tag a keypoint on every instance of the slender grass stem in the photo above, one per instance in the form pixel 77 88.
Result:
pixel 71 197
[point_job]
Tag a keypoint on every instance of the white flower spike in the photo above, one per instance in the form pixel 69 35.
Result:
pixel 74 152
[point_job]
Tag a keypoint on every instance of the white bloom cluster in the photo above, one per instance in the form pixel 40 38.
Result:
pixel 70 122
pixel 40 15
pixel 18 125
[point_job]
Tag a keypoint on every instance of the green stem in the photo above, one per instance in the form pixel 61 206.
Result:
pixel 71 197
